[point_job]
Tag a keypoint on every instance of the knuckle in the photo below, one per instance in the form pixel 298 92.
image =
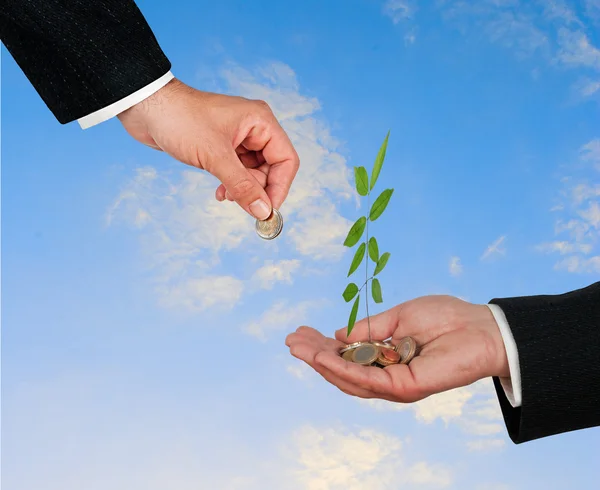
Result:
pixel 241 189
pixel 263 105
pixel 295 159
pixel 263 109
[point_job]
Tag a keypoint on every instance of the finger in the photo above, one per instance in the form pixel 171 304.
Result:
pixel 250 159
pixel 307 349
pixel 240 184
pixel 346 387
pixel 396 382
pixel 220 193
pixel 258 173
pixel 279 154
pixel 313 337
pixel 306 345
pixel 382 327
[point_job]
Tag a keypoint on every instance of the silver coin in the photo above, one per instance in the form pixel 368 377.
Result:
pixel 351 347
pixel 271 227
pixel 407 348
pixel 365 354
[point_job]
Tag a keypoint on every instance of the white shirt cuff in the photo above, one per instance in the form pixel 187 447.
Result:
pixel 124 104
pixel 512 385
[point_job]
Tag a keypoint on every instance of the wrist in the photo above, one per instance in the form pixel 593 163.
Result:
pixel 498 358
pixel 143 109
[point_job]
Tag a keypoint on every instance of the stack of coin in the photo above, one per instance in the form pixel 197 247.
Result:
pixel 380 354
pixel 271 227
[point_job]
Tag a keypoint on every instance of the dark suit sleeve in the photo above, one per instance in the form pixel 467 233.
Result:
pixel 81 55
pixel 558 341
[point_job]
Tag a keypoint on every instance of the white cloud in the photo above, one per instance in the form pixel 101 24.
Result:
pixel 515 30
pixel 281 316
pixel 576 50
pixel 447 406
pixel 492 486
pixel 474 409
pixel 558 10
pixel 198 294
pixel 95 433
pixel 300 370
pixel 547 29
pixel 564 247
pixel 337 458
pixel 590 152
pixel 455 266
pixel 587 87
pixel 580 217
pixel 184 230
pixel 481 428
pixel 504 22
pixel 592 9
pixel 579 265
pixel 273 272
pixel 399 10
pixel 495 248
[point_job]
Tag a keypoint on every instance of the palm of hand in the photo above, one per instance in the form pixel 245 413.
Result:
pixel 459 343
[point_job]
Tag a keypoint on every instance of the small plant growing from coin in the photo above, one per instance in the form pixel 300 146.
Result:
pixel 369 245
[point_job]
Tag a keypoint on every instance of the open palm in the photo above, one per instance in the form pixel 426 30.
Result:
pixel 459 343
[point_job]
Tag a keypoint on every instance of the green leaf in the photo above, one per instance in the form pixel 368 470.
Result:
pixel 379 161
pixel 380 204
pixel 352 319
pixel 376 290
pixel 356 232
pixel 381 263
pixel 362 180
pixel 358 258
pixel 373 249
pixel 350 291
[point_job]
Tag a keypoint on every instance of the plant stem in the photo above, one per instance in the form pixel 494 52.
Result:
pixel 367 271
pixel 365 283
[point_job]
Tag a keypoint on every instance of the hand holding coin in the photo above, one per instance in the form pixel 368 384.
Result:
pixel 445 343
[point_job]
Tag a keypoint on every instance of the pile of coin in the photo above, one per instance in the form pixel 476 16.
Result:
pixel 380 353
pixel 271 227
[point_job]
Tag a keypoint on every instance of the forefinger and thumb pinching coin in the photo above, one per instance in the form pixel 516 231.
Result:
pixel 271 227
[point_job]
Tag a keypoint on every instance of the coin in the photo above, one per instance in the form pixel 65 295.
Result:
pixel 347 355
pixel 271 227
pixel 365 354
pixel 351 347
pixel 407 348
pixel 382 344
pixel 387 357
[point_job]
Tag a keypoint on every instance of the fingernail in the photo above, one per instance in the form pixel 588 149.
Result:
pixel 260 209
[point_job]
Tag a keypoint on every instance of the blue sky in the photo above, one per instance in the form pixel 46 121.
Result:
pixel 143 323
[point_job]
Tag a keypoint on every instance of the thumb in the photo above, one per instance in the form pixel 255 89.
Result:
pixel 240 184
pixel 382 326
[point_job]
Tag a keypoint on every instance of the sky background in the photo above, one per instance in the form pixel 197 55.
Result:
pixel 143 323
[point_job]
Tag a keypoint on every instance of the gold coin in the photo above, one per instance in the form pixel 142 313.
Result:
pixel 271 227
pixel 365 354
pixel 383 344
pixel 407 348
pixel 347 355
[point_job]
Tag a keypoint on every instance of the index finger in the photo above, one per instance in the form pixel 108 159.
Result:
pixel 270 138
pixel 284 163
